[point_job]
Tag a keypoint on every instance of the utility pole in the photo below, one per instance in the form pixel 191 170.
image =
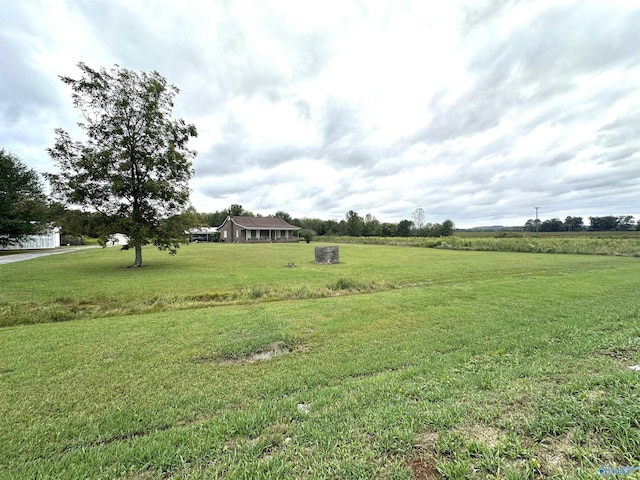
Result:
pixel 537 221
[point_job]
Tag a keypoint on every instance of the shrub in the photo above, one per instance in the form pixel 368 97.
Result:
pixel 307 234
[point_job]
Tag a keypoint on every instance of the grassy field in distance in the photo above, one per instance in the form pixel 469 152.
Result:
pixel 604 243
pixel 400 362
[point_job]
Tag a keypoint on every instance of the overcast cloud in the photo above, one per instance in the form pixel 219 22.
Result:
pixel 477 111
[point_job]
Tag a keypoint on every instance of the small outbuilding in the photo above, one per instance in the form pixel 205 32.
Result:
pixel 257 230
pixel 202 234
pixel 48 239
pixel 117 240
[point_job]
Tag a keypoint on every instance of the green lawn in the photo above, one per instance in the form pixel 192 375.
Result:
pixel 400 362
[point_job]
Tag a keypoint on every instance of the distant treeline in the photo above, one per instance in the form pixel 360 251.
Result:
pixel 571 224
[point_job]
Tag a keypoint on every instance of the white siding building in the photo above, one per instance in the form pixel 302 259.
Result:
pixel 50 239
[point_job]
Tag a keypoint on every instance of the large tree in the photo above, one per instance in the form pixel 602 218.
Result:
pixel 22 203
pixel 403 228
pixel 134 165
pixel 355 224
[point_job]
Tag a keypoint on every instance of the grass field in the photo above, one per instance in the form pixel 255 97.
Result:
pixel 400 362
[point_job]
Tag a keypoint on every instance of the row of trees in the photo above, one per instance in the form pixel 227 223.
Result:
pixel 574 224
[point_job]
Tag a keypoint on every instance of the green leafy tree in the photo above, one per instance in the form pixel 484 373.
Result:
pixel 236 210
pixel 404 228
pixel 307 234
pixel 604 223
pixel 329 227
pixel 209 218
pixel 552 225
pixel 532 225
pixel 446 228
pixel 314 224
pixel 443 229
pixel 75 224
pixel 285 216
pixel 573 224
pixel 22 203
pixel 213 219
pixel 388 229
pixel 626 222
pixel 134 166
pixel 355 224
pixel 371 226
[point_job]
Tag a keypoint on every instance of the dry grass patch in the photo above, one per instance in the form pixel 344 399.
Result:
pixel 424 458
pixel 552 455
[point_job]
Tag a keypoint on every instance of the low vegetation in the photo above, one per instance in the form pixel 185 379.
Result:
pixel 396 363
pixel 626 243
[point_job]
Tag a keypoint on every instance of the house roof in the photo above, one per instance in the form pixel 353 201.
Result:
pixel 266 223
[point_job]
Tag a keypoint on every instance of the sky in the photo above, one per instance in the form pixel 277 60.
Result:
pixel 476 111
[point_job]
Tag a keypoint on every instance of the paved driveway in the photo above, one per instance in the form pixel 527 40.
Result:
pixel 18 257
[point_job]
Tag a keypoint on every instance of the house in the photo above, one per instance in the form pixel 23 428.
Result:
pixel 49 239
pixel 257 230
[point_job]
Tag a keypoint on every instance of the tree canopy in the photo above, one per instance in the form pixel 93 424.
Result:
pixel 22 202
pixel 134 166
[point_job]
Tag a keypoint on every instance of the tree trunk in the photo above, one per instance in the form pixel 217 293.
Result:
pixel 138 261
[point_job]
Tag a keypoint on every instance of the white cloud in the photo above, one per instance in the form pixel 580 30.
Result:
pixel 473 110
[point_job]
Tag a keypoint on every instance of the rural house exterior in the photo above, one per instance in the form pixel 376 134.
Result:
pixel 257 230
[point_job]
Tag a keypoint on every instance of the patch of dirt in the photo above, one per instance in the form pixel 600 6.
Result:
pixel 275 349
pixel 486 434
pixel 143 475
pixel 278 429
pixel 423 469
pixel 423 459
pixel 552 455
pixel 376 372
pixel 194 422
pixel 596 394
pixel 621 354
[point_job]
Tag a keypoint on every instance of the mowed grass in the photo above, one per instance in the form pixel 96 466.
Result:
pixel 97 283
pixel 448 364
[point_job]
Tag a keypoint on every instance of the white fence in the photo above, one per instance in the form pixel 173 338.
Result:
pixel 36 242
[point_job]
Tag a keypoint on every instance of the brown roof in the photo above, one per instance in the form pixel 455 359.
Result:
pixel 274 223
